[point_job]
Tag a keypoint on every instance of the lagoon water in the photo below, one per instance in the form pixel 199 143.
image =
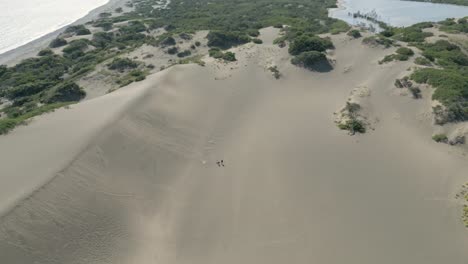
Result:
pixel 396 12
pixel 26 20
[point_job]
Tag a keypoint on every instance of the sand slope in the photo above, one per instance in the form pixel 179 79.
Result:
pixel 146 188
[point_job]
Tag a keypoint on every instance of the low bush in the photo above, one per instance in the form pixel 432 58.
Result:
pixel 422 61
pixel 45 52
pixel 58 42
pixel 229 56
pixel 257 41
pixel 173 50
pixel 184 53
pixel 309 43
pixel 66 92
pixel 405 51
pixel 226 39
pixel 440 138
pixel 354 33
pixel 122 64
pixel 353 126
pixel 310 59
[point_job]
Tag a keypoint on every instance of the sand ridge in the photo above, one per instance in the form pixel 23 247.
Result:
pixel 145 188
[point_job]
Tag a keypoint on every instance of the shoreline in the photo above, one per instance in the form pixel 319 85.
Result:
pixel 31 48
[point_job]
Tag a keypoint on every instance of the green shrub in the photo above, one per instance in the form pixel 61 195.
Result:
pixel 6 125
pixel 45 52
pixel 422 61
pixel 58 42
pixel 411 34
pixel 276 73
pixel 76 48
pixel 66 92
pixel 444 53
pixel 132 32
pixel 377 41
pixel 185 36
pixel 405 51
pixel 310 59
pixel 440 138
pixel 102 39
pixel 122 64
pixel 307 43
pixel 173 50
pixel 353 126
pixel 226 39
pixel 257 41
pixel 197 43
pixel 215 53
pixel 253 32
pixel 78 30
pixel 184 53
pixel 229 56
pixel 104 24
pixel 338 26
pixel 105 15
pixel 354 33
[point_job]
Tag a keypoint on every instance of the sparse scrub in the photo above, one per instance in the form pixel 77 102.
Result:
pixel 354 33
pixel 122 64
pixel 422 61
pixel 274 70
pixel 440 138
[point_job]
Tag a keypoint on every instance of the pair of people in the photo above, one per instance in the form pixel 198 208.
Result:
pixel 220 163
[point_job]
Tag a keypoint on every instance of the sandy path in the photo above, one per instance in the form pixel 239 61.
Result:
pixel 294 189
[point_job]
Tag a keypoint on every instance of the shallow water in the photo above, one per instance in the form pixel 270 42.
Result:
pixel 26 20
pixel 396 12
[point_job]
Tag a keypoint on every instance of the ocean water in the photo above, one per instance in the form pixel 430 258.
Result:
pixel 396 12
pixel 25 20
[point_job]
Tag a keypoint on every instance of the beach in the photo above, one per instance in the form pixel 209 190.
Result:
pixel 30 49
pixel 132 176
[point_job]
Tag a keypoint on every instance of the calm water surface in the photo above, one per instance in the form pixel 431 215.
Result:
pixel 396 12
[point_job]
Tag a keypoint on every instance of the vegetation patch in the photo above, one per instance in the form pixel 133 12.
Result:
pixel 309 43
pixel 440 138
pixel 377 41
pixel 257 41
pixel 226 40
pixel 52 78
pixel 312 60
pixel 58 42
pixel 218 54
pixel 274 70
pixel 349 119
pixel 79 30
pixel 422 61
pixel 8 124
pixel 184 53
pixel 401 54
pixel 354 33
pixel 122 64
pixel 462 196
pixel 132 76
pixel 194 59
pixel 451 25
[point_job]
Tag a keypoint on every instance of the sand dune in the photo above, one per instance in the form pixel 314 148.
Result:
pixel 138 180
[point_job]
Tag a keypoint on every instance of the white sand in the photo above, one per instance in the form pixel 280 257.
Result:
pixel 146 187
